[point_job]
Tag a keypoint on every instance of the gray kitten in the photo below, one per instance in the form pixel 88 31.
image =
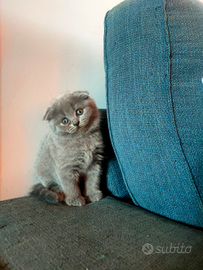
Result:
pixel 69 163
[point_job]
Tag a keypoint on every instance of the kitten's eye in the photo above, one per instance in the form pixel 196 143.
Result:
pixel 65 121
pixel 79 112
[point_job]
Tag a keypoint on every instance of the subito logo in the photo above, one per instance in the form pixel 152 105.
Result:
pixel 147 249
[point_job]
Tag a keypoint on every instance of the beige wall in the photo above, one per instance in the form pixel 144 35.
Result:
pixel 48 47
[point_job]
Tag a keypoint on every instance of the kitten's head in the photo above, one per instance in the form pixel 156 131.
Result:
pixel 72 113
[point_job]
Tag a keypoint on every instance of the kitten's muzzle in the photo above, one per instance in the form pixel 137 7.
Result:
pixel 75 122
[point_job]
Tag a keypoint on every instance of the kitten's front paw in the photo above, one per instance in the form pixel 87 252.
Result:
pixel 94 196
pixel 79 201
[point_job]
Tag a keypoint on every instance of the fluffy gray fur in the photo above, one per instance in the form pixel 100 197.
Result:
pixel 68 166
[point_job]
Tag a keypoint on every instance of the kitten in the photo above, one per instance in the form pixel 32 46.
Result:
pixel 71 154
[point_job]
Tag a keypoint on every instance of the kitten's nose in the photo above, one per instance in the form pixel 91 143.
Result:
pixel 75 122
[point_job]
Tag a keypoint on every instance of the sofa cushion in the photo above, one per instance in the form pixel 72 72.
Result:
pixel 108 234
pixel 154 67
pixel 115 183
pixel 110 167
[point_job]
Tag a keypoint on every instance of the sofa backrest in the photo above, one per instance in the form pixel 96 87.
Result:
pixel 154 69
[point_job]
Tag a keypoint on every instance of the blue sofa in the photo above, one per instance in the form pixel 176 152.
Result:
pixel 151 217
pixel 154 71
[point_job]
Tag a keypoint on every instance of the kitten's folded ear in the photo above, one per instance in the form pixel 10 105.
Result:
pixel 83 94
pixel 48 114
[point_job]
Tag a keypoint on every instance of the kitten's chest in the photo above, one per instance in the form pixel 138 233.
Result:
pixel 75 153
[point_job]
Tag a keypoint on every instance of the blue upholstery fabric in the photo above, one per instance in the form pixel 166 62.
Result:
pixel 115 183
pixel 154 66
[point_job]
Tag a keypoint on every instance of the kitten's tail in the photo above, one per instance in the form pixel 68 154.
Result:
pixel 44 194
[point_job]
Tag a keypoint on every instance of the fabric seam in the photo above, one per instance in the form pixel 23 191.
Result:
pixel 172 104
